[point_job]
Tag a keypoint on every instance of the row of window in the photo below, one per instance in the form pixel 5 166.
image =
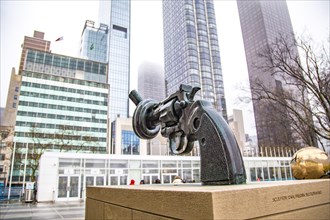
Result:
pixel 60 136
pixel 65 62
pixel 85 148
pixel 64 89
pixel 62 117
pixel 61 107
pixel 59 126
pixel 66 80
pixel 63 98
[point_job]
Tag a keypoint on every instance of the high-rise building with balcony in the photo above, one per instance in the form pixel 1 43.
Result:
pixel 261 23
pixel 117 16
pixel 93 45
pixel 191 50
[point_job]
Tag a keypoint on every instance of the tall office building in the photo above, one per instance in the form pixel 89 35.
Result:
pixel 62 106
pixel 151 82
pixel 191 50
pixel 36 42
pixel 117 16
pixel 93 45
pixel 57 93
pixel 261 23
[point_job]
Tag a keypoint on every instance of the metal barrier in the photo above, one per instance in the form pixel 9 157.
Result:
pixel 15 193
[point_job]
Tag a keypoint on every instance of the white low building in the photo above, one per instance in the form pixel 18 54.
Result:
pixel 65 176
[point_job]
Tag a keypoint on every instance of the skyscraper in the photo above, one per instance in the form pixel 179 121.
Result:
pixel 191 50
pixel 261 23
pixel 93 45
pixel 151 82
pixel 117 16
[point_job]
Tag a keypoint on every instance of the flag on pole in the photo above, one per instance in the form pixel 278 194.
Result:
pixel 91 47
pixel 59 39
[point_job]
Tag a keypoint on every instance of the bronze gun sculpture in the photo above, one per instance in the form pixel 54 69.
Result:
pixel 185 121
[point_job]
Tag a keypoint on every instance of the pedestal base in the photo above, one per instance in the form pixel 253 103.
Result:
pixel 303 199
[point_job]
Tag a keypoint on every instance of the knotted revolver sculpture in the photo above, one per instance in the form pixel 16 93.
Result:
pixel 184 122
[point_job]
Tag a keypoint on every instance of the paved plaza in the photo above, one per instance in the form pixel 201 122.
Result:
pixel 57 210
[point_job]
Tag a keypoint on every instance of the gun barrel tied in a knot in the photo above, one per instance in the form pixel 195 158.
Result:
pixel 188 123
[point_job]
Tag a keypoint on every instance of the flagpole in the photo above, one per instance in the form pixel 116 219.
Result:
pixel 11 171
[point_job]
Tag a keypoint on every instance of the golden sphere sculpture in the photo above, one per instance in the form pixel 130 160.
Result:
pixel 310 163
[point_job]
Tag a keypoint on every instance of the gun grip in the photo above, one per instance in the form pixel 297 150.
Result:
pixel 221 159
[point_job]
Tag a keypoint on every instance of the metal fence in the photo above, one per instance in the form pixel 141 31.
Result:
pixel 15 193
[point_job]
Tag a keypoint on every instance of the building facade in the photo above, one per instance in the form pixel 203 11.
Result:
pixel 236 123
pixel 10 111
pixel 261 23
pixel 191 50
pixel 151 81
pixel 93 45
pixel 36 42
pixel 117 16
pixel 124 140
pixel 63 106
pixel 64 177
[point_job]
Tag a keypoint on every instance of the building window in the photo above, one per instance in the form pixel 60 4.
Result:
pixel 130 143
pixel 119 31
pixel 14 105
pixel 16 89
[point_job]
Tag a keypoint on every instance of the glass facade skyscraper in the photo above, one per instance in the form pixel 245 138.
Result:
pixel 117 16
pixel 191 50
pixel 94 42
pixel 261 23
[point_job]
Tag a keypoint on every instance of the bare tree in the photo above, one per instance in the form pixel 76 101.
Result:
pixel 302 96
pixel 6 134
pixel 28 154
pixel 68 139
pixel 65 139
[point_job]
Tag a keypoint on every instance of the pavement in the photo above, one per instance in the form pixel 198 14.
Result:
pixel 57 210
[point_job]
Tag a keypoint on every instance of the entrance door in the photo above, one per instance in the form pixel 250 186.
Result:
pixel 150 179
pixel 116 180
pixel 95 180
pixel 168 178
pixel 68 187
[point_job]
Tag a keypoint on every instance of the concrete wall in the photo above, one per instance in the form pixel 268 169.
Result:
pixel 47 183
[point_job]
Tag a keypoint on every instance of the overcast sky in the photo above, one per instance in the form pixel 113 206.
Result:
pixel 67 18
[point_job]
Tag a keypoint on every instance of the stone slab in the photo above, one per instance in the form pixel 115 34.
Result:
pixel 285 199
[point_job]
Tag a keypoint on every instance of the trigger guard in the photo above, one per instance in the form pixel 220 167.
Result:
pixel 184 147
